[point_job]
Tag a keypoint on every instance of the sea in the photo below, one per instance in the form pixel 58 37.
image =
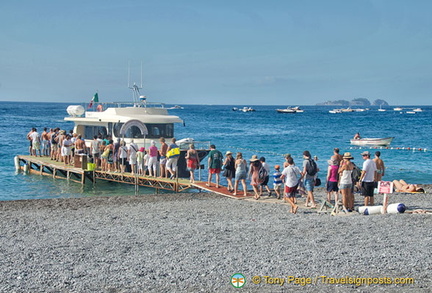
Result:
pixel 263 132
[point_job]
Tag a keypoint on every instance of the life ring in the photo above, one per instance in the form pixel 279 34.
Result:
pixel 99 108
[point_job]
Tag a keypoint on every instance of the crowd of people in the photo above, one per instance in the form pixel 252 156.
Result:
pixel 343 176
pixel 109 155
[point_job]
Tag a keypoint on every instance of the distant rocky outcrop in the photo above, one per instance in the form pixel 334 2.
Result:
pixel 379 102
pixel 355 102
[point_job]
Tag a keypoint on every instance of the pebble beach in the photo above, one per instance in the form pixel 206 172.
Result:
pixel 195 242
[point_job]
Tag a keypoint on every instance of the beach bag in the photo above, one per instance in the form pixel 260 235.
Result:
pixel 311 167
pixel 262 174
pixel 106 152
pixel 173 152
pixel 356 173
pixel 317 182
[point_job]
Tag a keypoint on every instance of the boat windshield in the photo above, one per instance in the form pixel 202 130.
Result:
pixel 154 130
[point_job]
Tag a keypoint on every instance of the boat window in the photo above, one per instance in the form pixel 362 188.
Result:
pixel 91 131
pixel 155 131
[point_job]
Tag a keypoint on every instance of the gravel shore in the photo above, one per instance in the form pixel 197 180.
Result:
pixel 195 242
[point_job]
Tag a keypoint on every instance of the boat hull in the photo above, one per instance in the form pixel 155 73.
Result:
pixel 372 141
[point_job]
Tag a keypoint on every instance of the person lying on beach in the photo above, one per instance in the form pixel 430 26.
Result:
pixel 402 186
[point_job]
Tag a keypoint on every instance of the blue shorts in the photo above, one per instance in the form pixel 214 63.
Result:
pixel 309 184
pixel 345 186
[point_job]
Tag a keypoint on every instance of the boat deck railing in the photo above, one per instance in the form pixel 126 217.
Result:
pixel 93 107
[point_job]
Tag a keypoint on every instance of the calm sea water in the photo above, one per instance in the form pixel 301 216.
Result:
pixel 264 133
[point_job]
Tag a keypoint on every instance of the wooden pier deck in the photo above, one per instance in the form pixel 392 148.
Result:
pixel 44 166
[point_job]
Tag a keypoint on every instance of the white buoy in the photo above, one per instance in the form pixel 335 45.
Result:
pixel 17 163
pixel 370 210
pixel 396 208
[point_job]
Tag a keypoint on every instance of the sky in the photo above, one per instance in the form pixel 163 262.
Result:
pixel 217 52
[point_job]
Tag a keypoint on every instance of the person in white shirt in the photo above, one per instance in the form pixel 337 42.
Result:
pixel 132 153
pixel 368 179
pixel 291 175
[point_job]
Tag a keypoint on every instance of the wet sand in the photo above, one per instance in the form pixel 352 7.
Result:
pixel 195 242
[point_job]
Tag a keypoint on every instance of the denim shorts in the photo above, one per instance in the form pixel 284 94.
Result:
pixel 345 186
pixel 309 184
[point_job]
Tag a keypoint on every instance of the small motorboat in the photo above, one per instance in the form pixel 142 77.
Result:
pixel 398 109
pixel 247 109
pixel 335 111
pixel 372 141
pixel 418 110
pixel 176 107
pixel 290 110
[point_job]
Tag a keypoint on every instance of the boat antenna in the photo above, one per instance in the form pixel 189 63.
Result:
pixel 135 89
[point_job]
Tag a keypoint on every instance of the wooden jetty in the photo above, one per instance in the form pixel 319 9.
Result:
pixel 46 167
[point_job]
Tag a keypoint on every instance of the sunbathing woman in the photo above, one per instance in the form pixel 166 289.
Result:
pixel 402 186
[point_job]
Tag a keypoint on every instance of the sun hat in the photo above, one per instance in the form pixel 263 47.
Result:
pixel 347 156
pixel 228 153
pixel 365 153
pixel 254 158
pixel 141 149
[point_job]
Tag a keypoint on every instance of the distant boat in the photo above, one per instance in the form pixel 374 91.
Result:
pixel 381 109
pixel 410 112
pixel 176 107
pixel 342 110
pixel 418 110
pixel 247 109
pixel 372 141
pixel 398 109
pixel 290 110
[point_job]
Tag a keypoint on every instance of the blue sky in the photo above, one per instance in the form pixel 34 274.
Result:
pixel 217 52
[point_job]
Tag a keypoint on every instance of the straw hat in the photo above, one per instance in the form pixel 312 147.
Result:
pixel 228 153
pixel 347 156
pixel 254 158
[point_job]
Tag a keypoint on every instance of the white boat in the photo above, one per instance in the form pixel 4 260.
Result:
pixel 344 110
pixel 410 112
pixel 290 110
pixel 398 109
pixel 372 141
pixel 335 111
pixel 139 121
pixel 176 107
pixel 418 110
pixel 247 109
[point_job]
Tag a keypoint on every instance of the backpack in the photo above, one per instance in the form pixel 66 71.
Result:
pixel 356 173
pixel 311 167
pixel 53 137
pixel 262 174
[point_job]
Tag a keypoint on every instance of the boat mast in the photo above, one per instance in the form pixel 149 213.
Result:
pixel 136 95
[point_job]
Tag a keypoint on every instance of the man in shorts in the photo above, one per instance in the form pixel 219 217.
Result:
pixel 163 159
pixel 368 179
pixel 215 159
pixel 291 174
pixel 309 179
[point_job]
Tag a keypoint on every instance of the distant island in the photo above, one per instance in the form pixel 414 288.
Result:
pixel 355 102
